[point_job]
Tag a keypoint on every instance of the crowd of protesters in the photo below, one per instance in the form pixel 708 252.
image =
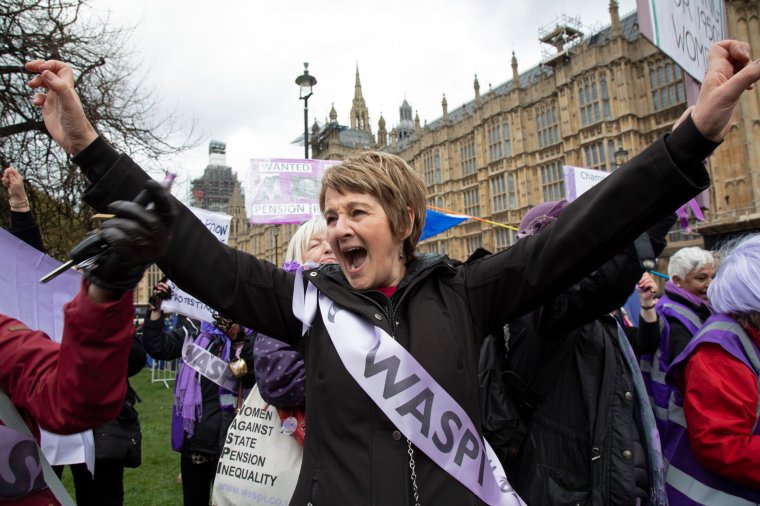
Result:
pixel 412 378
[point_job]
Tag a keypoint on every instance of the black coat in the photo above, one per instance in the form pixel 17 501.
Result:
pixel 441 310
pixel 580 392
pixel 591 403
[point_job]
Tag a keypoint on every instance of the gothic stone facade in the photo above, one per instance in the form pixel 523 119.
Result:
pixel 597 101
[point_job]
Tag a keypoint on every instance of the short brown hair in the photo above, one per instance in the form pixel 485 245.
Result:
pixel 390 180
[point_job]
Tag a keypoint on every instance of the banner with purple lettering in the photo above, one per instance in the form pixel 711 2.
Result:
pixel 579 180
pixel 283 190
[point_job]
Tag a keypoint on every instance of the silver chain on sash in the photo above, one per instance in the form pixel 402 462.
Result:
pixel 413 474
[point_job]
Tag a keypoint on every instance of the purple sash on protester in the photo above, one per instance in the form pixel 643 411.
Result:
pixel 188 403
pixel 654 366
pixel 688 482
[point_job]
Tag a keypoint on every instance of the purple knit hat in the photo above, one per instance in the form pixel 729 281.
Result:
pixel 539 216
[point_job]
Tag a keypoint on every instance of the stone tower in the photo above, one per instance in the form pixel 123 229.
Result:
pixel 359 111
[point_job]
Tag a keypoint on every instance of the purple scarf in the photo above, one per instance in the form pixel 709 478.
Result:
pixel 188 403
pixel 672 289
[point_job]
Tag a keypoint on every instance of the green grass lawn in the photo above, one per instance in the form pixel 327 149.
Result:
pixel 155 481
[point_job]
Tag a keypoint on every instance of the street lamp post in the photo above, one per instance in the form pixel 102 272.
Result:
pixel 620 156
pixel 276 234
pixel 306 81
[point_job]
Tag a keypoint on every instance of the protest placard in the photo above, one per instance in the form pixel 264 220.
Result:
pixel 181 301
pixel 579 180
pixel 684 30
pixel 284 190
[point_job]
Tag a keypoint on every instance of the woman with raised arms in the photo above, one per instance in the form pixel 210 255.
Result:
pixel 391 337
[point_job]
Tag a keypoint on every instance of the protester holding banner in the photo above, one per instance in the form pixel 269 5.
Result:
pixel 713 436
pixel 681 312
pixel 80 383
pixel 393 337
pixel 205 391
pixel 111 444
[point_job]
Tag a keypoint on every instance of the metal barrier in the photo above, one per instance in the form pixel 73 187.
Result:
pixel 163 371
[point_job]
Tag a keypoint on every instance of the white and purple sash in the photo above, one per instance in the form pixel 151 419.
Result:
pixel 416 404
pixel 208 365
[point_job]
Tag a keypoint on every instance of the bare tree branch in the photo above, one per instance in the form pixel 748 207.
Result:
pixel 109 82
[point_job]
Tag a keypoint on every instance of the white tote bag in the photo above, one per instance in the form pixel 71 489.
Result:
pixel 259 463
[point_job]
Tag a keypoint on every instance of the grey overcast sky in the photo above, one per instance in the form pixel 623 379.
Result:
pixel 231 65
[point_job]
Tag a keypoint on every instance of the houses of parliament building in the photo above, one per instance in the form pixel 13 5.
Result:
pixel 593 101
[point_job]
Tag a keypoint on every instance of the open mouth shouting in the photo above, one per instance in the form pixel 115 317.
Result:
pixel 355 257
pixel 360 235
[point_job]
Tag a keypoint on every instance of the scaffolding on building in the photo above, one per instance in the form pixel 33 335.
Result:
pixel 562 35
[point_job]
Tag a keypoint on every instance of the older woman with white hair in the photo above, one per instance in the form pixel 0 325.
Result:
pixel 681 312
pixel 280 370
pixel 713 435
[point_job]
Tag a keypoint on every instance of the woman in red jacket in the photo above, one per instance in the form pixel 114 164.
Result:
pixel 80 383
pixel 713 439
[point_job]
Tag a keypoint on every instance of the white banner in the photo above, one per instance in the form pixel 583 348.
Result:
pixel 181 301
pixel 684 29
pixel 579 180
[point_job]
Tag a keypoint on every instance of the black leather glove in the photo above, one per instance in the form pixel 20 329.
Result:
pixel 137 236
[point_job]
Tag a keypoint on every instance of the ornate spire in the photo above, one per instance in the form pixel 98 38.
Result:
pixel 359 111
pixel 445 106
pixel 382 133
pixel 476 85
pixel 333 114
pixel 515 73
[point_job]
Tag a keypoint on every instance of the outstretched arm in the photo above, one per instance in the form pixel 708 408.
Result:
pixel 614 212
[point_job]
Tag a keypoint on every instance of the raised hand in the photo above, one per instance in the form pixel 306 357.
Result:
pixel 647 290
pixel 730 71
pixel 14 183
pixel 62 110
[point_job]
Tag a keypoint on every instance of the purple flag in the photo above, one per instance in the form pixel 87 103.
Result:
pixel 23 297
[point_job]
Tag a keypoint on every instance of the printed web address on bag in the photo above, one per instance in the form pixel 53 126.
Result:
pixel 259 463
